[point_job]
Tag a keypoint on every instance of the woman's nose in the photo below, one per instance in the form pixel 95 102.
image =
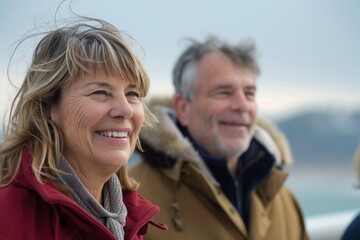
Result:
pixel 121 108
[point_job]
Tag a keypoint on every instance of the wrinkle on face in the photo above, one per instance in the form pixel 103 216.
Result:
pixel 224 91
pixel 86 107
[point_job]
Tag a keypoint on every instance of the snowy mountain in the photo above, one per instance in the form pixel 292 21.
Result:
pixel 320 137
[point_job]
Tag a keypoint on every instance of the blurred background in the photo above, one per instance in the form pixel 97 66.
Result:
pixel 309 54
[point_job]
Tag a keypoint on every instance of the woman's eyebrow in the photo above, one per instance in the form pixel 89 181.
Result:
pixel 100 84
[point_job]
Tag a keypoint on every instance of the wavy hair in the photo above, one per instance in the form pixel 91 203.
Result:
pixel 87 46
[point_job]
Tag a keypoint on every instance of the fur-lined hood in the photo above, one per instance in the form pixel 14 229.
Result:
pixel 165 137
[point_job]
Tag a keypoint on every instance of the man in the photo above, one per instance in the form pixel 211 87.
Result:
pixel 209 165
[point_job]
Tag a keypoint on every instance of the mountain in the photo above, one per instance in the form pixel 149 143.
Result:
pixel 322 137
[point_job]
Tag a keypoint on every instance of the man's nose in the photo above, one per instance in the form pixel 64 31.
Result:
pixel 240 102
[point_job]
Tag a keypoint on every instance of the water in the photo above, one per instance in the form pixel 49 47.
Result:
pixel 324 189
pixel 320 190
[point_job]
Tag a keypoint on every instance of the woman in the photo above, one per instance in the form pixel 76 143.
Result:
pixel 73 126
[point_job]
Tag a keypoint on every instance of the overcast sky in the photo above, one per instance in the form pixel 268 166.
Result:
pixel 309 50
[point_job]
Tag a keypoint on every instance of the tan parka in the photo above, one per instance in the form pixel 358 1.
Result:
pixel 173 176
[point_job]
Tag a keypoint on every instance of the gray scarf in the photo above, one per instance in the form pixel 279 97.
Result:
pixel 112 214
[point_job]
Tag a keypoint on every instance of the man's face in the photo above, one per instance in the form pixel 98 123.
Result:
pixel 222 115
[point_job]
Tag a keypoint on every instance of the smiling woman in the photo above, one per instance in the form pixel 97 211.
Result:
pixel 100 118
pixel 73 126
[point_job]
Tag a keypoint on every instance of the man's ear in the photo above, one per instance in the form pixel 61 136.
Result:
pixel 182 107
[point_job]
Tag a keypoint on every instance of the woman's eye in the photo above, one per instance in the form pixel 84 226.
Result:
pixel 133 94
pixel 101 92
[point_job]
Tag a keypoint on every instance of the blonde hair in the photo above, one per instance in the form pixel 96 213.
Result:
pixel 87 46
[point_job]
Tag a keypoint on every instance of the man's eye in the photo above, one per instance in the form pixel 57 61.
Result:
pixel 250 94
pixel 223 93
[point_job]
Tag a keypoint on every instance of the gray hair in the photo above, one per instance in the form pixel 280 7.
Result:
pixel 185 70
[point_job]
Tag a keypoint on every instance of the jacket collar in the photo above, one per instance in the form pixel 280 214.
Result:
pixel 269 188
pixel 166 138
pixel 140 210
pixel 51 195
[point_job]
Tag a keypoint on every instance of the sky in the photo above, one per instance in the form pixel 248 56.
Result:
pixel 309 51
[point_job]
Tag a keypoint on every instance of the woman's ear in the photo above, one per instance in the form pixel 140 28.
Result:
pixel 54 114
pixel 182 107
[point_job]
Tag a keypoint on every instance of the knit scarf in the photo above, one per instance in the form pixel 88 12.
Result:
pixel 112 214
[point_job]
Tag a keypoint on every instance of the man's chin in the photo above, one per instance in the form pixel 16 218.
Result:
pixel 242 146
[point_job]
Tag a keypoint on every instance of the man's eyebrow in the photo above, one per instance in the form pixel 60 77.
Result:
pixel 223 86
pixel 251 87
pixel 229 86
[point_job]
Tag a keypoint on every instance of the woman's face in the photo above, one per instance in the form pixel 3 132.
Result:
pixel 100 118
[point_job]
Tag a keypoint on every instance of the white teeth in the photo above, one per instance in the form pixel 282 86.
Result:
pixel 113 134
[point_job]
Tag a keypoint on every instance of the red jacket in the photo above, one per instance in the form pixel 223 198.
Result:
pixel 31 210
